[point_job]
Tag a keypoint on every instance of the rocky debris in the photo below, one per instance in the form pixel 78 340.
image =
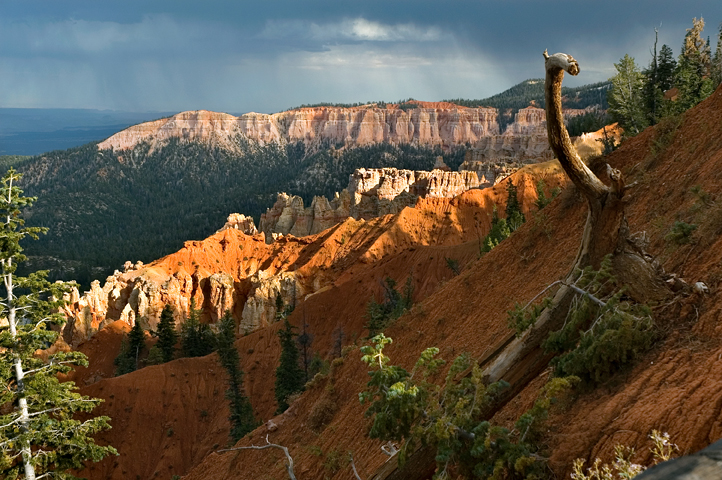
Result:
pixel 240 222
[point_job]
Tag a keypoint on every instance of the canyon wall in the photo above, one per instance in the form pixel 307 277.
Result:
pixel 380 191
pixel 445 125
pixel 524 141
pixel 432 124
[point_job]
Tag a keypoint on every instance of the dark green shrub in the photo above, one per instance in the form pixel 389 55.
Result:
pixel 395 303
pixel 451 417
pixel 453 265
pixel 542 199
pixel 599 340
pixel 680 233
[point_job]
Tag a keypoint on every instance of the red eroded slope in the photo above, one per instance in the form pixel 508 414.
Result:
pixel 675 387
pixel 351 259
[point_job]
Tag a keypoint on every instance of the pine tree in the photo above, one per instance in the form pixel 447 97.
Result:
pixel 167 336
pixel 626 101
pixel 514 216
pixel 241 417
pixel 130 350
pixel 305 340
pixel 666 65
pixel 394 304
pixel 653 94
pixel 197 339
pixel 280 311
pixel 716 72
pixel 499 231
pixel 289 375
pixel 39 435
pixel 136 343
pixel 693 69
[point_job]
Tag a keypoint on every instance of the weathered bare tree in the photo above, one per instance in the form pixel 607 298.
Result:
pixel 518 360
pixel 289 459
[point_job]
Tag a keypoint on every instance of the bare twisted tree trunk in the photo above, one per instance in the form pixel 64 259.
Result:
pixel 521 359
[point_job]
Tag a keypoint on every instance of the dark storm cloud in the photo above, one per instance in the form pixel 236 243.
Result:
pixel 265 56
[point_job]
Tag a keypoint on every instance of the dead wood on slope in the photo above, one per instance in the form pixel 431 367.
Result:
pixel 521 359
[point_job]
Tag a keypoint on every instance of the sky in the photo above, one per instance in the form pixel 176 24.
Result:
pixel 266 56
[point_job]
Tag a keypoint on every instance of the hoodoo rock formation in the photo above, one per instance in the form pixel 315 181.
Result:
pixel 370 193
pixel 381 191
pixel 288 215
pixel 240 222
pixel 235 271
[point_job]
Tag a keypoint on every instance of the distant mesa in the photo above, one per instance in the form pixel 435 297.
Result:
pixel 430 123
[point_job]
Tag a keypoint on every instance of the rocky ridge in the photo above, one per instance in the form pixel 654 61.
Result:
pixel 370 193
pixel 432 124
pixel 524 142
pixel 448 126
pixel 238 270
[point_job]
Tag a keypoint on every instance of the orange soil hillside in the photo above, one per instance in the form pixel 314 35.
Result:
pixel 675 387
pixel 349 261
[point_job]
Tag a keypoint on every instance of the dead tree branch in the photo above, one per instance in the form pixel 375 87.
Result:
pixel 289 464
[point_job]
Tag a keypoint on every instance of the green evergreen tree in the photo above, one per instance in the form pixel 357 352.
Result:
pixel 693 69
pixel 514 216
pixel 289 375
pixel 499 231
pixel 626 100
pixel 305 340
pixel 130 350
pixel 39 434
pixel 653 94
pixel 136 342
pixel 666 65
pixel 280 310
pixel 241 417
pixel 167 336
pixel 155 356
pixel 394 304
pixel 124 362
pixel 716 73
pixel 197 339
